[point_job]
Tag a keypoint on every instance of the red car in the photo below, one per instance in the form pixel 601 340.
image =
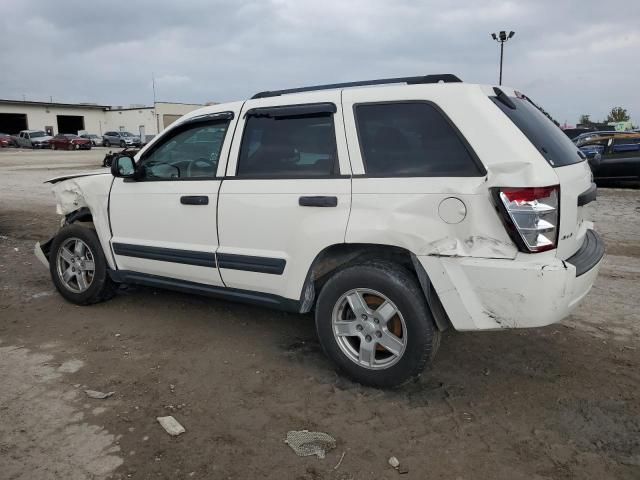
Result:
pixel 6 140
pixel 69 141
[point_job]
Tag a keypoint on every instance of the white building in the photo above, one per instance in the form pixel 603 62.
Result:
pixel 16 115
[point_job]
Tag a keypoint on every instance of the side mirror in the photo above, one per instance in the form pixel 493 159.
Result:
pixel 123 166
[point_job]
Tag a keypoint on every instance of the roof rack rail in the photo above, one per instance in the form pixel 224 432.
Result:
pixel 435 78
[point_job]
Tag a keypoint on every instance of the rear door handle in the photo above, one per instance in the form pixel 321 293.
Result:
pixel 194 200
pixel 318 201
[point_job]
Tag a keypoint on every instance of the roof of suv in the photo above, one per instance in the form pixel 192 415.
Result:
pixel 433 78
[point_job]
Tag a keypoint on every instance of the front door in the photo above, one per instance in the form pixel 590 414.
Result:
pixel 287 193
pixel 164 222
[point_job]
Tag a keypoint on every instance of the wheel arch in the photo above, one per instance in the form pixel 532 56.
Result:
pixel 338 256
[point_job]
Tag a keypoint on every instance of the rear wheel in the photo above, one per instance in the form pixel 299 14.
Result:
pixel 78 266
pixel 374 323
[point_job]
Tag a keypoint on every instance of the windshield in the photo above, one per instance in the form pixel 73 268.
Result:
pixel 37 134
pixel 548 138
pixel 126 134
pixel 70 135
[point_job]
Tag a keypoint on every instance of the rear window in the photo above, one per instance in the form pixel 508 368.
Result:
pixel 546 136
pixel 411 139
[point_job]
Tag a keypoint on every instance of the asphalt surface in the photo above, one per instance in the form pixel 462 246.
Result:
pixel 561 402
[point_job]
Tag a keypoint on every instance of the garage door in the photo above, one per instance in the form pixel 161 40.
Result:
pixel 70 123
pixel 13 122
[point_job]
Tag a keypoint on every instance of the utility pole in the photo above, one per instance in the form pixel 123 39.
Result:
pixel 501 38
pixel 155 112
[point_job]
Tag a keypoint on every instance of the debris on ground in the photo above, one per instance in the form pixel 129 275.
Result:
pixel 306 443
pixel 98 395
pixel 340 461
pixel 171 425
pixel 395 463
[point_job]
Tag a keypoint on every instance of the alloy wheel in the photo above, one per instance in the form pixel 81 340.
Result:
pixel 369 328
pixel 75 265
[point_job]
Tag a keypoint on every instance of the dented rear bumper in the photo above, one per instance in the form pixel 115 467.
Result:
pixel 529 291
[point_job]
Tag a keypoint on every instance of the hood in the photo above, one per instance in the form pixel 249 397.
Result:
pixel 46 138
pixel 102 171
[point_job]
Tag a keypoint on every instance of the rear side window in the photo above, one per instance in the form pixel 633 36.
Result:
pixel 296 146
pixel 412 139
pixel 547 137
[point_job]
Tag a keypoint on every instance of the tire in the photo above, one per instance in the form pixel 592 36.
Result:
pixel 53 147
pixel 106 143
pixel 122 144
pixel 412 325
pixel 99 286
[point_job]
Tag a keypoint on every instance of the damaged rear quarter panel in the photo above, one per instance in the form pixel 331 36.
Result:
pixel 404 212
pixel 92 192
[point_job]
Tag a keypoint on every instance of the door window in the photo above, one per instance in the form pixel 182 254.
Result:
pixel 288 146
pixel 192 151
pixel 411 139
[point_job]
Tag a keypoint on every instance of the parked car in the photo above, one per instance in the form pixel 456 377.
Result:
pixel 33 139
pixel 583 138
pixel 95 139
pixel 7 140
pixel 614 157
pixel 121 139
pixel 393 212
pixel 69 141
pixel 574 132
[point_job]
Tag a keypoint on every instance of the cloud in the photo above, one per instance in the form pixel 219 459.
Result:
pixel 571 58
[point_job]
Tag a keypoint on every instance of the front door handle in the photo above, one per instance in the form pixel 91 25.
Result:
pixel 318 201
pixel 194 200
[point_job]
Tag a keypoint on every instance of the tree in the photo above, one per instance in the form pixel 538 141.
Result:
pixel 585 119
pixel 618 114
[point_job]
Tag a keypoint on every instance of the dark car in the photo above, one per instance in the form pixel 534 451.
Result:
pixel 574 132
pixel 614 157
pixel 585 138
pixel 69 141
pixel 7 140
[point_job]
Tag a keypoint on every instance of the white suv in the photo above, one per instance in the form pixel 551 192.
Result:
pixel 393 211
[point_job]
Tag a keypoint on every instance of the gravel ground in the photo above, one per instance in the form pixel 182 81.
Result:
pixel 561 402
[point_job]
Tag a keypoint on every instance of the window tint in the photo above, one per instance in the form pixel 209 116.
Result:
pixel 547 137
pixel 411 139
pixel 303 146
pixel 192 152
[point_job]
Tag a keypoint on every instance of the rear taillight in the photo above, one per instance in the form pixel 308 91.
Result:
pixel 531 215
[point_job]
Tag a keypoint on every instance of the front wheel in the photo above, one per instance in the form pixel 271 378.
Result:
pixel 78 266
pixel 122 144
pixel 374 323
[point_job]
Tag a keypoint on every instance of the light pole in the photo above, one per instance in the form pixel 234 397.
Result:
pixel 502 37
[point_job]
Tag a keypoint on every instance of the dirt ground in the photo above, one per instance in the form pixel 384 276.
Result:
pixel 562 402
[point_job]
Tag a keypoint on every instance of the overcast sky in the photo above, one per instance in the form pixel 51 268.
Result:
pixel 571 57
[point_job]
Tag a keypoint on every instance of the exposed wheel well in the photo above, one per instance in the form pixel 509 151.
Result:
pixel 336 257
pixel 81 215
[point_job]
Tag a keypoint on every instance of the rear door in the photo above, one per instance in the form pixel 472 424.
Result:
pixel 164 223
pixel 287 192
